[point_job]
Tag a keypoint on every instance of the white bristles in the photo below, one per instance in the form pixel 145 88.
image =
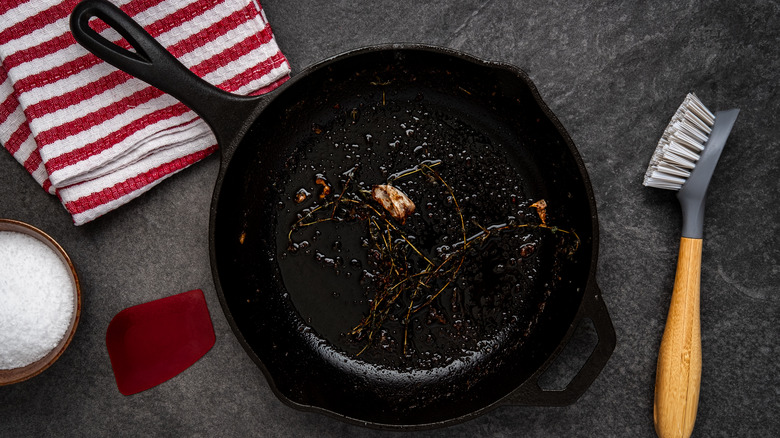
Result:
pixel 680 145
pixel 673 170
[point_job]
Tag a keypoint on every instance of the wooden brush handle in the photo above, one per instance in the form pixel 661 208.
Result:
pixel 678 375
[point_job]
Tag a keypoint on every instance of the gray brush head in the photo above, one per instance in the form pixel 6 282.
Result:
pixel 686 157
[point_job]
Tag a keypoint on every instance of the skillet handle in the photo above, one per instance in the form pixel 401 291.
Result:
pixel 593 308
pixel 227 114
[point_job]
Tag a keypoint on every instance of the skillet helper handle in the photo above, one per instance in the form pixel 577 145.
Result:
pixel 678 375
pixel 593 308
pixel 153 64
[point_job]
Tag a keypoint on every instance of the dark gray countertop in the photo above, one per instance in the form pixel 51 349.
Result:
pixel 613 73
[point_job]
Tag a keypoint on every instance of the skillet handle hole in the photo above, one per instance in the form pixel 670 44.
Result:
pixel 110 34
pixel 571 359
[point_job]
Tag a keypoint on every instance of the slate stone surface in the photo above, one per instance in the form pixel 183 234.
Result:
pixel 613 73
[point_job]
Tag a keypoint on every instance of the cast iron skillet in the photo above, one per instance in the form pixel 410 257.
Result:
pixel 358 109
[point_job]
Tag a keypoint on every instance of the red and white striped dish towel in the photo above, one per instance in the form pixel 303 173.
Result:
pixel 97 137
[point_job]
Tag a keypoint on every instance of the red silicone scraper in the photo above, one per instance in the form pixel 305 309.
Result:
pixel 155 341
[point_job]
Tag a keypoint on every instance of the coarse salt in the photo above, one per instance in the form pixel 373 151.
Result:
pixel 36 299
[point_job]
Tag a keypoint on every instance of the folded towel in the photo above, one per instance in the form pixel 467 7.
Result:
pixel 97 137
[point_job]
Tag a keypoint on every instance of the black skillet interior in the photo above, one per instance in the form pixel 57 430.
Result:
pixel 378 112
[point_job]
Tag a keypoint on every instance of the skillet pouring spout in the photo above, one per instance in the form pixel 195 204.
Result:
pixel 409 322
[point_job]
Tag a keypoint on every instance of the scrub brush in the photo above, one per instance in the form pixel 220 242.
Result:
pixel 684 161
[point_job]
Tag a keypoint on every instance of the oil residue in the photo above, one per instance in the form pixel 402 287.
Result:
pixel 384 138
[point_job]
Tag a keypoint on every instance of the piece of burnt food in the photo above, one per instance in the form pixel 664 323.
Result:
pixel 394 201
pixel 321 181
pixel 300 196
pixel 541 210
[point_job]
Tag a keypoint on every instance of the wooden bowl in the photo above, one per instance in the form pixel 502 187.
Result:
pixel 15 375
